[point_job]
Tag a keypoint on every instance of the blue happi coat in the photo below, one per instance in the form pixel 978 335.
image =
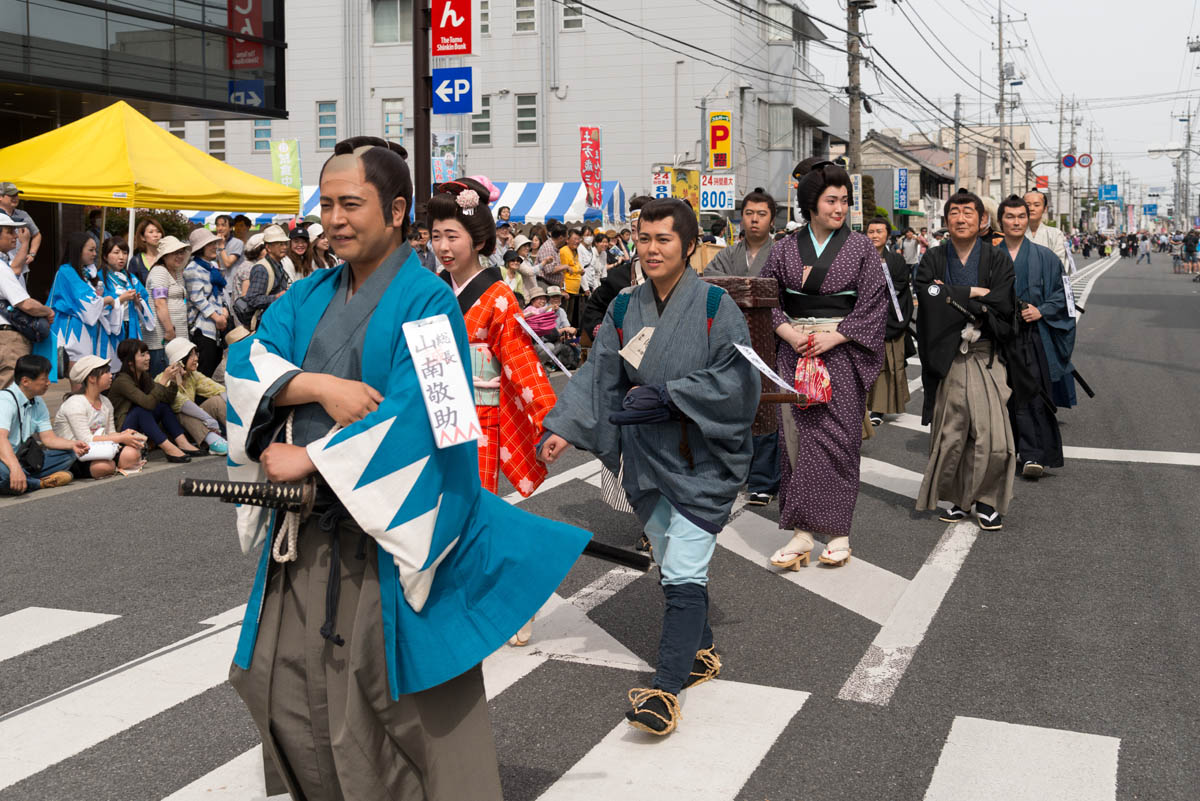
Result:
pixel 459 569
pixel 137 315
pixel 82 323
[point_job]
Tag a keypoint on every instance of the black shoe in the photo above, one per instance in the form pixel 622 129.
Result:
pixel 654 711
pixel 1032 471
pixel 194 452
pixel 707 665
pixel 643 544
pixel 178 459
pixel 876 419
pixel 989 518
pixel 952 515
pixel 758 498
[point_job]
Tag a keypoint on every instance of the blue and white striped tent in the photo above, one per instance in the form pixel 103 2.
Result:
pixel 310 203
pixel 535 202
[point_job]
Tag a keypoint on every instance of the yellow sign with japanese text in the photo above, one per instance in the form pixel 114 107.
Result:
pixel 720 140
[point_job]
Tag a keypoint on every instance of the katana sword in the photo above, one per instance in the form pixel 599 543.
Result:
pixel 299 498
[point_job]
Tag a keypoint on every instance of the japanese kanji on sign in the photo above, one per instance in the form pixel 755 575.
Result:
pixel 443 380
pixel 589 163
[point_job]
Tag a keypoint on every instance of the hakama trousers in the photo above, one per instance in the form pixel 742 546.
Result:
pixel 324 711
pixel 1035 428
pixel 889 394
pixel 972 456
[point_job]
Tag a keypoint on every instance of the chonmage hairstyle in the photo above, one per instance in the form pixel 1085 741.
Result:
pixel 962 198
pixel 1011 202
pixel 816 174
pixel 760 195
pixel 385 167
pixel 451 201
pixel 879 221
pixel 684 220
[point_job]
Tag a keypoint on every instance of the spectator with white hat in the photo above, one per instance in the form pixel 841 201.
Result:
pixel 523 247
pixel 87 416
pixel 145 405
pixel 199 401
pixel 20 315
pixel 169 297
pixel 205 283
pixel 267 277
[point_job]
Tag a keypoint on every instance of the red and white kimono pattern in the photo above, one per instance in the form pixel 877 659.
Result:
pixel 512 429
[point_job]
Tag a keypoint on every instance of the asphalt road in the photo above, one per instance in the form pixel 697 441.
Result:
pixel 1053 659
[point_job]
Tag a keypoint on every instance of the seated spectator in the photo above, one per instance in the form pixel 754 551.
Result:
pixel 199 401
pixel 539 315
pixel 88 417
pixel 205 286
pixel 32 456
pixel 145 405
pixel 566 336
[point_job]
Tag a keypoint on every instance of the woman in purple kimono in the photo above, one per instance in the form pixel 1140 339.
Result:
pixel 833 304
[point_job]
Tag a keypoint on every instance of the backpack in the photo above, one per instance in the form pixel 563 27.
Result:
pixel 621 305
pixel 241 309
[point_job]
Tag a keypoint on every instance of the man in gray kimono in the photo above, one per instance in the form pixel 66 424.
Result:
pixel 747 258
pixel 665 388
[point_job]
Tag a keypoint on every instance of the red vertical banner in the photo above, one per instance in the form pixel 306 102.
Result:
pixel 589 164
pixel 454 24
pixel 245 17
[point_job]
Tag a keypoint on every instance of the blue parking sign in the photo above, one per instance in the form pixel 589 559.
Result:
pixel 454 90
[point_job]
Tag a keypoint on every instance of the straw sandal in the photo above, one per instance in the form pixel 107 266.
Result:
pixel 654 711
pixel 707 666
pixel 794 555
pixel 836 553
pixel 523 636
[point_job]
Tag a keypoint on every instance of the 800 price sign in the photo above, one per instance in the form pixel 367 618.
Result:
pixel 717 193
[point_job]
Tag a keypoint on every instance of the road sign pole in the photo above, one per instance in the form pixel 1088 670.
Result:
pixel 421 162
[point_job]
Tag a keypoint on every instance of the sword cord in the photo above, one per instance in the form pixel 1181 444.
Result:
pixel 289 532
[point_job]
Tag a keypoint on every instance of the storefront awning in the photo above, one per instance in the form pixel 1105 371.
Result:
pixel 538 202
pixel 908 212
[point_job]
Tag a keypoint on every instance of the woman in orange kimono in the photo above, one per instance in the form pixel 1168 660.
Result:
pixel 512 392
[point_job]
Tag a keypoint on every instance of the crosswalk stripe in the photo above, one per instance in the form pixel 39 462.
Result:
pixel 35 626
pixel 240 779
pixel 47 732
pixel 726 730
pixel 986 760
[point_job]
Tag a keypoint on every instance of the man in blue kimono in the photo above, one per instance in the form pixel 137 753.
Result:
pixel 1044 341
pixel 360 653
pixel 665 388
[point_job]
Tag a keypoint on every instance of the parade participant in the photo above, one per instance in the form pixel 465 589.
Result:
pixel 833 304
pixel 361 665
pixel 1042 303
pixel 972 458
pixel 87 416
pixel 512 392
pixel 747 258
pixel 1045 235
pixel 133 299
pixel 85 315
pixel 665 390
pixel 990 230
pixel 889 394
pixel 626 274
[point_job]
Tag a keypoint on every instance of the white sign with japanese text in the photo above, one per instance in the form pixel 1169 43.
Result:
pixel 762 367
pixel 717 193
pixel 521 321
pixel 449 401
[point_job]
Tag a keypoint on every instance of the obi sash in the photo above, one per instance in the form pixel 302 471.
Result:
pixel 485 369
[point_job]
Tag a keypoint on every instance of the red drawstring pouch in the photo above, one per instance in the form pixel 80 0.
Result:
pixel 812 379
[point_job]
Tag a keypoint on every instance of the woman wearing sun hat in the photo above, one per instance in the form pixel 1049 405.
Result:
pixel 205 283
pixel 169 299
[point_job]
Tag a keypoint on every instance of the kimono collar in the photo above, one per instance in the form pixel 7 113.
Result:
pixel 957 272
pixel 819 247
pixel 473 290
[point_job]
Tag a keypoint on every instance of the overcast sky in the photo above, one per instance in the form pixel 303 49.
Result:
pixel 1112 60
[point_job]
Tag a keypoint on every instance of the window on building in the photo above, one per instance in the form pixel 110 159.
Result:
pixel 527 119
pixel 326 124
pixel 481 123
pixel 572 16
pixel 216 139
pixel 485 18
pixel 177 127
pixel 391 21
pixel 779 126
pixel 262 135
pixel 393 121
pixel 526 16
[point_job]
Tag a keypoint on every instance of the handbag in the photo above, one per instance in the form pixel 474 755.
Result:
pixel 812 379
pixel 35 329
pixel 30 453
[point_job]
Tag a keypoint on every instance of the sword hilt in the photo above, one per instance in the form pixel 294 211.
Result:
pixel 289 497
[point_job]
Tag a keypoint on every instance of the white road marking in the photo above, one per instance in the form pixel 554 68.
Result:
pixel 48 731
pixel 1144 457
pixel 985 760
pixel 881 668
pixel 859 586
pixel 726 730
pixel 35 626
pixel 239 779
pixel 1092 278
pixel 890 477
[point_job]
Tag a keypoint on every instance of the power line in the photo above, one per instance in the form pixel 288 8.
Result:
pixel 937 51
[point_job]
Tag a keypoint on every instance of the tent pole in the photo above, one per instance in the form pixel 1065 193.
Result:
pixel 132 215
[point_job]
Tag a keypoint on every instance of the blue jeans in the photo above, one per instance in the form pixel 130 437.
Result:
pixel 764 465
pixel 55 461
pixel 152 423
pixel 158 361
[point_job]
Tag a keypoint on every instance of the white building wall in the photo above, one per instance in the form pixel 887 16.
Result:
pixel 602 77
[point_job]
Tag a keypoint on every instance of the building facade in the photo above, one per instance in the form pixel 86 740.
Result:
pixel 548 67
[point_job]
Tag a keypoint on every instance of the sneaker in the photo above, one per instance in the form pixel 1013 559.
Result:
pixel 654 711
pixel 989 518
pixel 758 498
pixel 876 419
pixel 219 448
pixel 59 479
pixel 707 665
pixel 1032 471
pixel 952 515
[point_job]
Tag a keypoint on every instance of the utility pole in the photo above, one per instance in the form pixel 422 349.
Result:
pixel 1071 183
pixel 853 50
pixel 957 127
pixel 1058 204
pixel 1000 104
pixel 1091 218
pixel 1187 167
pixel 422 99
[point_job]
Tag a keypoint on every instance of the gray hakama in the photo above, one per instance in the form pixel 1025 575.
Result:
pixel 819 463
pixel 890 394
pixel 329 725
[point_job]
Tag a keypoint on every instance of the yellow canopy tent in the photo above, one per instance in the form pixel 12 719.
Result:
pixel 118 157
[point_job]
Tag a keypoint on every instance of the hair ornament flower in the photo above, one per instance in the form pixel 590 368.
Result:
pixel 467 200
